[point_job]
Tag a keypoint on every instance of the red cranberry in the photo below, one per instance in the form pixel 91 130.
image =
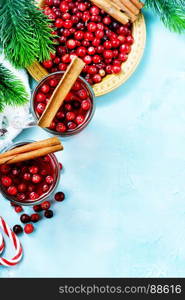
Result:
pixel 47 64
pixel 91 27
pixel 40 108
pixel 107 53
pixel 87 59
pixel 88 36
pixel 81 51
pixel 40 97
pixel 62 67
pixel 6 181
pixel 59 23
pixel 56 61
pixel 116 69
pixel 5 169
pixel 70 116
pixel 60 127
pixel 36 178
pixel 71 44
pixel 99 34
pixel 45 88
pixel 92 70
pixel 115 43
pixel 17 229
pixel 107 20
pixel 49 179
pixel 60 196
pixel 31 188
pixel 107 45
pixel 86 104
pixel 94 10
pixel 35 218
pixel 82 94
pixel 79 35
pixel 86 16
pixel 61 166
pixel 60 115
pixel 45 188
pixel 53 82
pixel 33 196
pixel 108 69
pixel 21 196
pixel 96 59
pixel 123 57
pixel 68 24
pixel 29 228
pixel 22 187
pixel 64 7
pixel 12 190
pixel 66 16
pixel 25 218
pixel 34 170
pixel 96 42
pixel 97 78
pixel 18 209
pixel 71 125
pixel 15 171
pixel 66 59
pixel 37 208
pixel 48 214
pixel 56 3
pixel 82 6
pixel 27 176
pixel 80 119
pixel 45 205
pixel 49 2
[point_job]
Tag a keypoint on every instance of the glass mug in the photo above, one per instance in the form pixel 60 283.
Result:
pixel 76 111
pixel 22 189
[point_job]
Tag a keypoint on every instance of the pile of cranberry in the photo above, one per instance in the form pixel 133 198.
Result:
pixel 82 29
pixel 74 112
pixel 35 217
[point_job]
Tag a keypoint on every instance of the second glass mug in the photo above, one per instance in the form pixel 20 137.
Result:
pixel 88 114
pixel 25 192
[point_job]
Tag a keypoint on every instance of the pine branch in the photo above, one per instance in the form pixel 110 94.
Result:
pixel 171 12
pixel 12 91
pixel 24 32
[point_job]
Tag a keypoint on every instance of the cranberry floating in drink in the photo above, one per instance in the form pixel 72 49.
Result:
pixel 75 112
pixel 30 181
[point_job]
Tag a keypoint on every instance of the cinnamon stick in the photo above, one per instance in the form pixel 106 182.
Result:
pixel 111 9
pixel 123 8
pixel 61 91
pixel 30 155
pixel 31 147
pixel 131 7
pixel 138 4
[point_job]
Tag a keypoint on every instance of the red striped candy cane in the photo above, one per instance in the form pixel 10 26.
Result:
pixel 2 244
pixel 16 244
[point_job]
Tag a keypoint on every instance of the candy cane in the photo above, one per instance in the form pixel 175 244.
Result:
pixel 2 244
pixel 15 242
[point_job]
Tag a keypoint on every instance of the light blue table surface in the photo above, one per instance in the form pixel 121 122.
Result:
pixel 124 180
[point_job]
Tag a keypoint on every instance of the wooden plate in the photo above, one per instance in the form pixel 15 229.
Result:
pixel 110 82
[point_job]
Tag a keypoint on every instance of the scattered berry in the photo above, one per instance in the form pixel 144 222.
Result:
pixel 29 228
pixel 35 218
pixel 25 218
pixel 60 196
pixel 45 205
pixel 48 214
pixel 17 229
